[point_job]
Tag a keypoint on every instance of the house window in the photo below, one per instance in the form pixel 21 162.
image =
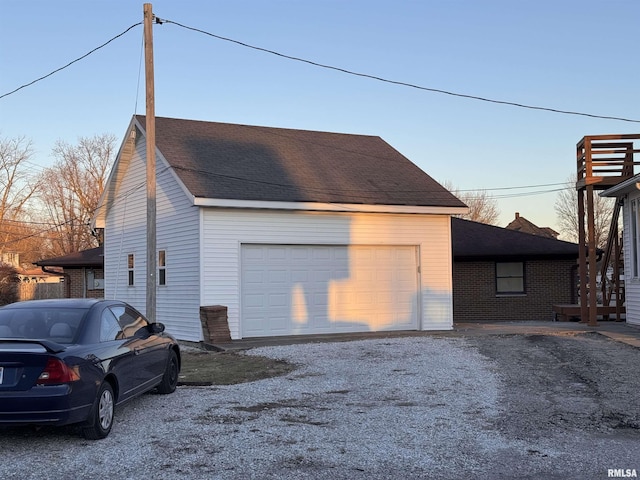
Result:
pixel 162 267
pixel 634 235
pixel 510 278
pixel 130 265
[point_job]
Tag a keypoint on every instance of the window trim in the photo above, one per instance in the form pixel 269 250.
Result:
pixel 162 267
pixel 522 291
pixel 131 269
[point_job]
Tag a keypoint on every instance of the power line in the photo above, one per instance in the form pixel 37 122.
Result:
pixel 342 70
pixel 54 226
pixel 70 63
pixel 405 84
pixel 512 188
pixel 372 191
pixel 528 194
pixel 28 222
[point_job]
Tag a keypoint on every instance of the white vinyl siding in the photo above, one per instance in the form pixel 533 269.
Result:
pixel 177 230
pixel 635 235
pixel 125 233
pixel 225 231
pixel 631 281
pixel 178 227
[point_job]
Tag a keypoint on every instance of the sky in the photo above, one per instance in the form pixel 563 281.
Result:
pixel 572 55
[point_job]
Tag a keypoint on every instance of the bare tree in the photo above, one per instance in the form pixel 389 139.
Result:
pixel 17 187
pixel 566 208
pixel 71 189
pixel 483 208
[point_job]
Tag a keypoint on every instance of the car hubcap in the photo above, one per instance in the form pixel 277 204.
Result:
pixel 105 409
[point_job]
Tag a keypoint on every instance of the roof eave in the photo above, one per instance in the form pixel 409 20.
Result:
pixel 127 147
pixel 513 258
pixel 329 207
pixel 623 188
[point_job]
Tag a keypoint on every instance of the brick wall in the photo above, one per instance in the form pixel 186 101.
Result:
pixel 474 291
pixel 76 288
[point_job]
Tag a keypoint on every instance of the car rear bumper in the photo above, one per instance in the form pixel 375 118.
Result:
pixel 50 405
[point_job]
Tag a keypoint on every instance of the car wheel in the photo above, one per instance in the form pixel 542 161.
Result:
pixel 170 377
pixel 101 417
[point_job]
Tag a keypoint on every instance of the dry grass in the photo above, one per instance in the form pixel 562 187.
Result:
pixel 227 368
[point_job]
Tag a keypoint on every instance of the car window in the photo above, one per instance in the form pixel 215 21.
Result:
pixel 57 324
pixel 130 321
pixel 109 327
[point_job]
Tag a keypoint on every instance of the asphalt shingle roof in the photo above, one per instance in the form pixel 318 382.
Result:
pixel 94 257
pixel 521 224
pixel 241 162
pixel 478 241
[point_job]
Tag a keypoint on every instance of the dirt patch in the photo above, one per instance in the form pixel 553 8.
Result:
pixel 227 368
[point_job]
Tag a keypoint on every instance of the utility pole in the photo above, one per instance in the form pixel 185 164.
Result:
pixel 151 163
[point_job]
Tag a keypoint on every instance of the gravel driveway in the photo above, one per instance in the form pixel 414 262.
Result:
pixel 512 406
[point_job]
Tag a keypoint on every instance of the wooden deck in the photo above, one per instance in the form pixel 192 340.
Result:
pixel 566 311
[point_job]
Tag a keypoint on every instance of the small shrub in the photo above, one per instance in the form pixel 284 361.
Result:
pixel 8 284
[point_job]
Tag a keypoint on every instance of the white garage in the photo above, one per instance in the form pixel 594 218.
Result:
pixel 307 289
pixel 291 231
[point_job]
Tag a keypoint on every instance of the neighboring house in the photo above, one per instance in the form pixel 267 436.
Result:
pixel 521 224
pixel 502 274
pixel 294 232
pixel 37 275
pixel 33 283
pixel 83 272
pixel 28 275
pixel 628 192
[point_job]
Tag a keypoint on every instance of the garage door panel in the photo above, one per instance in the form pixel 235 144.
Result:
pixel 321 253
pixel 321 299
pixel 295 289
pixel 254 300
pixel 299 276
pixel 254 276
pixel 276 253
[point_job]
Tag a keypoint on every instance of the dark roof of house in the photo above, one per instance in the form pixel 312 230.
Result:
pixel 92 258
pixel 478 241
pixel 470 240
pixel 241 162
pixel 521 224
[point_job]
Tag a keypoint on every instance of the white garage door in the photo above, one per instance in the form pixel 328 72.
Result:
pixel 307 289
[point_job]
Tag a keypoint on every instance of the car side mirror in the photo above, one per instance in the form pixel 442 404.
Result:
pixel 156 327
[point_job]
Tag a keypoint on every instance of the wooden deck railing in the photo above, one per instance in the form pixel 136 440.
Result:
pixel 606 160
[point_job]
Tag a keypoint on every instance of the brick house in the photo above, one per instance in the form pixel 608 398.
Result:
pixel 83 272
pixel 498 274
pixel 502 274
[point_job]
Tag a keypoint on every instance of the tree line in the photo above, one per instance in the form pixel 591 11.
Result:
pixel 46 212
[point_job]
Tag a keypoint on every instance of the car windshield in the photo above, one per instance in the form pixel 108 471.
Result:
pixel 59 325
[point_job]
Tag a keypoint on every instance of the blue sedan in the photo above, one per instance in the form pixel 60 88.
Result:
pixel 71 361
